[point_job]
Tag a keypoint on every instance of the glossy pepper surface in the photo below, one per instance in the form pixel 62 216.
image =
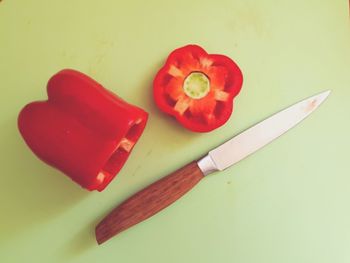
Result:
pixel 197 88
pixel 83 129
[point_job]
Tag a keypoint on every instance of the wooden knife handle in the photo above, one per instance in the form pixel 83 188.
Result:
pixel 149 201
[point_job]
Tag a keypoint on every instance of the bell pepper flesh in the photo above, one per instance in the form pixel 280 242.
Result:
pixel 83 129
pixel 197 88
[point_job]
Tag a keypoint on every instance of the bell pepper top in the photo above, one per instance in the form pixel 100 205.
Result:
pixel 83 129
pixel 197 88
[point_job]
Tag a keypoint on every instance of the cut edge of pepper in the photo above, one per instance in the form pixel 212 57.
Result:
pixel 119 156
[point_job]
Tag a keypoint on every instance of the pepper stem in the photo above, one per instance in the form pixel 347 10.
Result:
pixel 196 85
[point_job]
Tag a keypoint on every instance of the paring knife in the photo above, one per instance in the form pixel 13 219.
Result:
pixel 167 190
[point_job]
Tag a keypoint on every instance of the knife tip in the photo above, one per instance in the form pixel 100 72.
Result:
pixel 327 92
pixel 322 96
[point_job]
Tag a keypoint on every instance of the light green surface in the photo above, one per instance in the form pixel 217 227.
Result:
pixel 287 203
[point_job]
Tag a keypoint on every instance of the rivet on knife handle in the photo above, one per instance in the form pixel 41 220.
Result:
pixel 149 201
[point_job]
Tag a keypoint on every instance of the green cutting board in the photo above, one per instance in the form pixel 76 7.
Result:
pixel 287 203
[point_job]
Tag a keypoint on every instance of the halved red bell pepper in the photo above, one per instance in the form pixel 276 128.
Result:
pixel 83 129
pixel 197 88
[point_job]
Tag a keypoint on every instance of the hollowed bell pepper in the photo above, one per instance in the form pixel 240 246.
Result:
pixel 197 88
pixel 83 129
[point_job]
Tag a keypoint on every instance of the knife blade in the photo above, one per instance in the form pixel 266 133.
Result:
pixel 167 190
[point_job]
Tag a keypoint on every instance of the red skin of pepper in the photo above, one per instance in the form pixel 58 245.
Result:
pixel 78 129
pixel 223 110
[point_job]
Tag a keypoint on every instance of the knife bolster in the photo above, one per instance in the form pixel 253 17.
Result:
pixel 207 165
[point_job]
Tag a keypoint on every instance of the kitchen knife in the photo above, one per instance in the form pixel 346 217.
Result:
pixel 167 190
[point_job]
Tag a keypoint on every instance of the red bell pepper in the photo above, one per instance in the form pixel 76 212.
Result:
pixel 197 88
pixel 83 129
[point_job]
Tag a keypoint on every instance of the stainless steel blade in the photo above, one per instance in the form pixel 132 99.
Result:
pixel 259 135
